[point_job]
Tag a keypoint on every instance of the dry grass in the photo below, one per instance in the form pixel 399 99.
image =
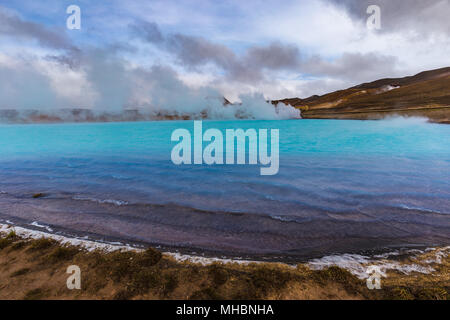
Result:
pixel 36 269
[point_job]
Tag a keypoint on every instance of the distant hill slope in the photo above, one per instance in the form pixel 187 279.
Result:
pixel 426 94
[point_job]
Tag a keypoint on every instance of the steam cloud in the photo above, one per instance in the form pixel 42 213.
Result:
pixel 106 87
pixel 98 84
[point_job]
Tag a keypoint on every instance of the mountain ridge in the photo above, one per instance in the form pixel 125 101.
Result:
pixel 426 94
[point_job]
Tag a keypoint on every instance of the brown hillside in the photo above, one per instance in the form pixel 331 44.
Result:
pixel 425 94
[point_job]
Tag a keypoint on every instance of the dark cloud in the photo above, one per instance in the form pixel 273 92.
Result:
pixel 356 67
pixel 148 31
pixel 260 62
pixel 13 26
pixel 423 16
pixel 72 59
pixel 276 56
pixel 116 83
pixel 194 52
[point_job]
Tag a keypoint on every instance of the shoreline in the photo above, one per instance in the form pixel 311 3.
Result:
pixel 92 245
pixel 365 116
pixel 33 223
pixel 352 262
pixel 33 267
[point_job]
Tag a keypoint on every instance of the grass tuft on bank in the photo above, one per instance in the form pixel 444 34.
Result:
pixel 36 269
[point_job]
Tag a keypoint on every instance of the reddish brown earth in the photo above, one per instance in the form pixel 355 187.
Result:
pixel 426 94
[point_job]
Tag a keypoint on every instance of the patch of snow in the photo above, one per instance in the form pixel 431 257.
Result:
pixel 36 224
pixel 387 88
pixel 358 264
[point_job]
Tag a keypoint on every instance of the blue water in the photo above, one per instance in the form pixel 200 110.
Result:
pixel 342 186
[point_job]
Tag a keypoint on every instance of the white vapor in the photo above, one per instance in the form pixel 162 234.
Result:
pixel 109 87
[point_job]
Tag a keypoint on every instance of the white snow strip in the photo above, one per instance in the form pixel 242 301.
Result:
pixel 90 245
pixel 358 264
pixel 101 201
pixel 86 244
pixel 354 263
pixel 206 261
pixel 36 224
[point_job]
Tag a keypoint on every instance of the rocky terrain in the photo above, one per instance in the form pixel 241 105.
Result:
pixel 426 94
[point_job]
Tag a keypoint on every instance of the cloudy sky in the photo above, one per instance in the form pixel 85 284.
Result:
pixel 160 52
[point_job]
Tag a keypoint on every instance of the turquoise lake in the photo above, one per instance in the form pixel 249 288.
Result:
pixel 342 186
